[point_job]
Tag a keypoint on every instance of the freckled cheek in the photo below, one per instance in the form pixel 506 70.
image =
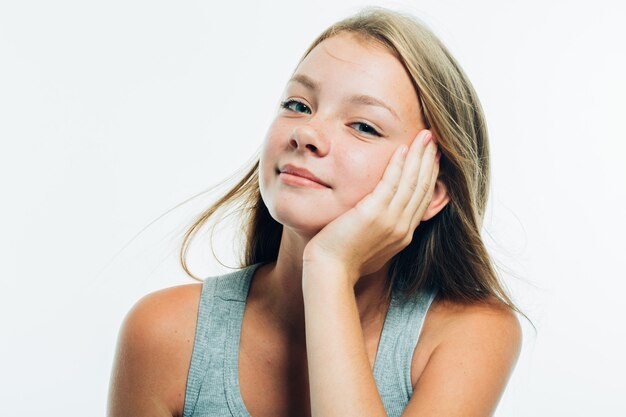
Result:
pixel 278 132
pixel 363 170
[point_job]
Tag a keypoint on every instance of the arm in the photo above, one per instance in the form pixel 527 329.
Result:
pixel 153 354
pixel 357 243
pixel 340 378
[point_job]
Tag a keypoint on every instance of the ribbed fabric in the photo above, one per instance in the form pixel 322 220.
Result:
pixel 213 383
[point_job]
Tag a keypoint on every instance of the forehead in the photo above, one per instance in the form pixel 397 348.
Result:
pixel 349 64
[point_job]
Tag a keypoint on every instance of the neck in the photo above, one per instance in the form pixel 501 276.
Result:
pixel 277 287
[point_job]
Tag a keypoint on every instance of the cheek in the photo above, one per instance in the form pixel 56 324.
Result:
pixel 270 153
pixel 362 170
pixel 266 174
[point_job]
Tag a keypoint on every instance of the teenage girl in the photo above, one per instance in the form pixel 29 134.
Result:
pixel 365 288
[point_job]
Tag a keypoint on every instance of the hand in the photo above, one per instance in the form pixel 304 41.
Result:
pixel 365 237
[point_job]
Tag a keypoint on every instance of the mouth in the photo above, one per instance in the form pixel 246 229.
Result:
pixel 300 176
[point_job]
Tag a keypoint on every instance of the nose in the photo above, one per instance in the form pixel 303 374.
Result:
pixel 306 137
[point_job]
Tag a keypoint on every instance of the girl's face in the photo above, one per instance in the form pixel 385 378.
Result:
pixel 333 122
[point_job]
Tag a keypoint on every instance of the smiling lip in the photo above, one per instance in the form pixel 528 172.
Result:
pixel 301 172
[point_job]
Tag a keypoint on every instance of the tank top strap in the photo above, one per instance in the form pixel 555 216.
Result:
pixel 208 354
pixel 401 331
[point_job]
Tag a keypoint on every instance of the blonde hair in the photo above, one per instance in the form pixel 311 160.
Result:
pixel 446 253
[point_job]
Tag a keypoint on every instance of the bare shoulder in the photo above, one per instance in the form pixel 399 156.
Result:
pixel 153 354
pixel 466 359
pixel 491 317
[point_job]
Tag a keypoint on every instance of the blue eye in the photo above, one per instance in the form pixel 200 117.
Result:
pixel 287 104
pixel 372 131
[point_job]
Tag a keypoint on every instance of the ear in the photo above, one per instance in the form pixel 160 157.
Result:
pixel 438 202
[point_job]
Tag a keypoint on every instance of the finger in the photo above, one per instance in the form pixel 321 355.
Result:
pixel 415 205
pixel 388 185
pixel 410 180
pixel 424 203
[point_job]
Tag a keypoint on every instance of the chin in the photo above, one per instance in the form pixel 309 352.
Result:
pixel 301 217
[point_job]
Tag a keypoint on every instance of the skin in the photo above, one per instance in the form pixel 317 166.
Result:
pixel 323 294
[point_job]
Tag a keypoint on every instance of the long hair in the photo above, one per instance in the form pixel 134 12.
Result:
pixel 446 253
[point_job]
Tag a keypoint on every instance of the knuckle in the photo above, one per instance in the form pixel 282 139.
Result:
pixel 388 189
pixel 387 229
pixel 398 233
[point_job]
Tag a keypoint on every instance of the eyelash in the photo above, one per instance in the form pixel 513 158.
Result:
pixel 285 105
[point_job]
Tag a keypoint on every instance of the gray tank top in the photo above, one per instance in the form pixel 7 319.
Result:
pixel 213 382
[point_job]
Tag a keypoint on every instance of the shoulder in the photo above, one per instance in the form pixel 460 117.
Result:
pixel 491 318
pixel 170 310
pixel 154 350
pixel 469 354
pixel 164 319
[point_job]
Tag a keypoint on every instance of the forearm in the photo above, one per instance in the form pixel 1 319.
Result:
pixel 340 376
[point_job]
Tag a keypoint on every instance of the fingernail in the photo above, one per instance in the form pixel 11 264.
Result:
pixel 428 137
pixel 404 150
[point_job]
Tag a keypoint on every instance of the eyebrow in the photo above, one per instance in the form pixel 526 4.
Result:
pixel 364 99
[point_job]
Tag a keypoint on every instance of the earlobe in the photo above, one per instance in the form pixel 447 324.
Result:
pixel 438 202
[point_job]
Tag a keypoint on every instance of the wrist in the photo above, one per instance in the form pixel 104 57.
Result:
pixel 322 271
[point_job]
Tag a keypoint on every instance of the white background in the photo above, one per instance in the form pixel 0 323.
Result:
pixel 111 113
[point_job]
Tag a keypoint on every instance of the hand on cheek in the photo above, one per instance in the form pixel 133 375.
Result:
pixel 365 237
